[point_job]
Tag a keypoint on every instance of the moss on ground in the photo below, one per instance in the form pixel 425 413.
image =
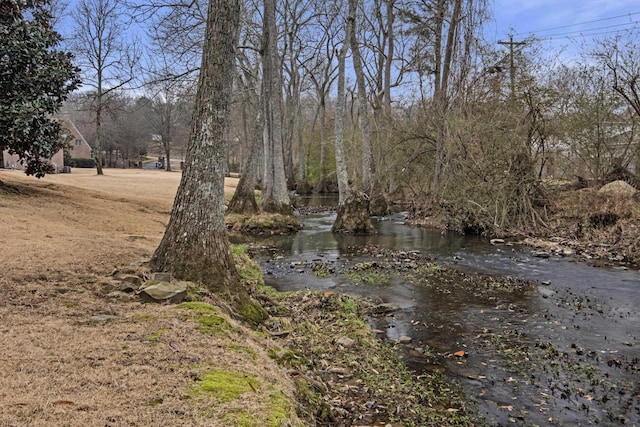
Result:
pixel 253 312
pixel 157 334
pixel 209 319
pixel 226 385
pixel 248 270
pixel 263 223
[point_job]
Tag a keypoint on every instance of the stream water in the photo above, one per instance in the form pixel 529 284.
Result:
pixel 565 354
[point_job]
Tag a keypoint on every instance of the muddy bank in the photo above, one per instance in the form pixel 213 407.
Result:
pixel 599 225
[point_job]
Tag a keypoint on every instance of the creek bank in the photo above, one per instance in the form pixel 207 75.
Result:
pixel 598 225
pixel 527 353
pixel 344 374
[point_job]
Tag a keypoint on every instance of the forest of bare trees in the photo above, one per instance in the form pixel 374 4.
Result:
pixel 387 100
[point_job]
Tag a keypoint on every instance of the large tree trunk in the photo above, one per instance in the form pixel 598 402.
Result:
pixel 244 198
pixel 441 90
pixel 275 193
pixel 353 207
pixel 293 117
pixel 195 245
pixel 363 107
pixel 344 189
pixel 98 153
pixel 167 153
pixel 370 183
pixel 321 186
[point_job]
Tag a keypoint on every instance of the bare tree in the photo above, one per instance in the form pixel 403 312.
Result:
pixel 622 56
pixel 167 112
pixel 195 245
pixel 249 114
pixel 322 73
pixel 370 182
pixel 107 58
pixel 275 192
pixel 444 32
pixel 353 206
pixel 244 199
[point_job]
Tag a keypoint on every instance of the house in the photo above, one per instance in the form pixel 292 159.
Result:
pixel 78 148
pixel 593 155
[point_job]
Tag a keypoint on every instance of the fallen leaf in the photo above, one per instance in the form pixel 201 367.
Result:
pixel 507 407
pixel 460 353
pixel 63 402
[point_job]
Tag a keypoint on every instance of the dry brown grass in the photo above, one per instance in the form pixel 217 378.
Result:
pixel 598 227
pixel 75 354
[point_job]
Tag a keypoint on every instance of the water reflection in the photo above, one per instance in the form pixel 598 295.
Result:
pixel 454 318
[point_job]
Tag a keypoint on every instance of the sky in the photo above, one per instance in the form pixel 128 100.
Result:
pixel 562 23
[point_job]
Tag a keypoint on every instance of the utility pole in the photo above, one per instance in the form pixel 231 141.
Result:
pixel 512 67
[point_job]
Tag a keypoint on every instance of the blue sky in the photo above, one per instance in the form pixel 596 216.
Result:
pixel 563 22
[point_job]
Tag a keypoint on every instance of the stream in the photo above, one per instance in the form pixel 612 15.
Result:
pixel 566 353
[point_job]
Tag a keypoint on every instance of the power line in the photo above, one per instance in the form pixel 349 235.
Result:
pixel 587 30
pixel 585 22
pixel 549 38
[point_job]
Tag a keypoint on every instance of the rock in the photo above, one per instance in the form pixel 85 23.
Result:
pixel 345 342
pixel 161 276
pixel 131 280
pixel 128 288
pixel 541 254
pixel 279 334
pixel 405 339
pixel 567 252
pixel 103 317
pixel 387 307
pixel 117 295
pixel 618 188
pixel 163 292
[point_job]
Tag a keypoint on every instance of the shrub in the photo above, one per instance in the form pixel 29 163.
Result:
pixel 82 163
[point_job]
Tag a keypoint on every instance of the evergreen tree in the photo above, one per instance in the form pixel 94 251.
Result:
pixel 35 79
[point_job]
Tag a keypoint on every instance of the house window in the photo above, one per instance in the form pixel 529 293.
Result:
pixel 78 143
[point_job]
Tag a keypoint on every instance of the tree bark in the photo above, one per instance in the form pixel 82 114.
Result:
pixel 98 154
pixel 370 183
pixel 195 245
pixel 344 189
pixel 275 193
pixel 441 90
pixel 244 198
pixel 353 207
pixel 363 108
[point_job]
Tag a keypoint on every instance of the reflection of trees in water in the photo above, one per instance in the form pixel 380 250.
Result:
pixel 316 238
